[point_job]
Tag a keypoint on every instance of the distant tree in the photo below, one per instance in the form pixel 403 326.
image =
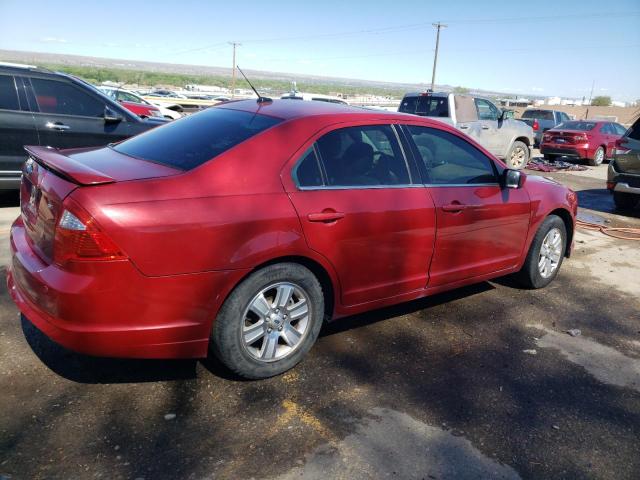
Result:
pixel 601 101
pixel 460 90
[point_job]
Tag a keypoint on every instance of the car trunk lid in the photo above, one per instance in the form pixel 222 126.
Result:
pixel 566 136
pixel 50 175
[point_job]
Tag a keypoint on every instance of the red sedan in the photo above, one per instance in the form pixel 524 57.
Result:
pixel 592 140
pixel 240 229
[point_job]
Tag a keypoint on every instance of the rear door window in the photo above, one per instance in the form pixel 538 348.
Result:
pixel 63 98
pixel 450 160
pixel 363 156
pixel 193 140
pixel 307 172
pixel 8 94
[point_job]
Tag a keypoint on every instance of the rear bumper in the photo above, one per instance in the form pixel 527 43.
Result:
pixel 622 182
pixel 568 151
pixel 110 309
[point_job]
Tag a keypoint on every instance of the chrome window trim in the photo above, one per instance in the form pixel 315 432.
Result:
pixel 402 152
pixel 362 187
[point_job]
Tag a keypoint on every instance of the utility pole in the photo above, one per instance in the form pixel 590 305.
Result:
pixel 435 58
pixel 593 84
pixel 233 68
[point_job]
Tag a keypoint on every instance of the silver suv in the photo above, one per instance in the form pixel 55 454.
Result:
pixel 494 129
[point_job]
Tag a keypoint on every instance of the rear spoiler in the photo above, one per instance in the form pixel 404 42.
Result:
pixel 66 167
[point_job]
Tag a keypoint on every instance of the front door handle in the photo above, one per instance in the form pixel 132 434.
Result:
pixel 458 207
pixel 484 127
pixel 325 217
pixel 57 126
pixel 464 127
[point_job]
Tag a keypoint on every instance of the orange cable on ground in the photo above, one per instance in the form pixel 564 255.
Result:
pixel 615 232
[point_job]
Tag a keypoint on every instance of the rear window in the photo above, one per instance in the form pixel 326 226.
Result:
pixel 191 141
pixel 634 131
pixel 538 114
pixel 582 126
pixel 426 106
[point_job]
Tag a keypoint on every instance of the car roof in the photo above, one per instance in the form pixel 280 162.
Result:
pixel 426 94
pixel 287 109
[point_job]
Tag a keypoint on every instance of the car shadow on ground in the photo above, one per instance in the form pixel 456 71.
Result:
pixel 86 369
pixel 99 370
pixel 601 200
pixel 9 199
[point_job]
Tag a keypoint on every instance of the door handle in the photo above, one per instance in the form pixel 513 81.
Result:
pixel 484 127
pixel 464 127
pixel 458 207
pixel 325 217
pixel 57 126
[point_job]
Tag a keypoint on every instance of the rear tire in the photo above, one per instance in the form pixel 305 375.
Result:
pixel 518 155
pixel 625 201
pixel 545 254
pixel 255 333
pixel 598 157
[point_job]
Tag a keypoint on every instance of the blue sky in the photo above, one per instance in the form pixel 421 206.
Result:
pixel 536 47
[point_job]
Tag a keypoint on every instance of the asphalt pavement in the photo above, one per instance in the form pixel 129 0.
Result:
pixel 480 382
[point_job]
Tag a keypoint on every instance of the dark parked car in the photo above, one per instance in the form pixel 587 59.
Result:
pixel 240 229
pixel 542 120
pixel 41 107
pixel 623 178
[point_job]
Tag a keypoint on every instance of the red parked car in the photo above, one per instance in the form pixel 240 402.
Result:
pixel 592 140
pixel 240 229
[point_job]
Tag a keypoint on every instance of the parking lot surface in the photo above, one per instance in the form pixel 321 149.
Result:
pixel 480 382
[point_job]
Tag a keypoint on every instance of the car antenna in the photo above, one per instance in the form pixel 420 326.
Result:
pixel 261 99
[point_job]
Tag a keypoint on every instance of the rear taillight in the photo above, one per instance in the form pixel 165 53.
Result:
pixel 536 125
pixel 79 238
pixel 580 138
pixel 547 137
pixel 620 148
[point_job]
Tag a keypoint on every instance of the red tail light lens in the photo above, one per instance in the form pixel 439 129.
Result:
pixel 580 138
pixel 620 148
pixel 78 237
pixel 536 125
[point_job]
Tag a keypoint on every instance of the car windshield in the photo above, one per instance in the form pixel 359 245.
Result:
pixel 538 114
pixel 582 126
pixel 193 140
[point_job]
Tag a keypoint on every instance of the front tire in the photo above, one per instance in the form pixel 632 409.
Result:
pixel 545 254
pixel 518 155
pixel 598 157
pixel 269 322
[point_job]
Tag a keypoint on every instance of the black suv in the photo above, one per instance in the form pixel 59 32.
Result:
pixel 623 176
pixel 41 107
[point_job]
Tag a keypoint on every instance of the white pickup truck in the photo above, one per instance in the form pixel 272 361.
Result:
pixel 493 128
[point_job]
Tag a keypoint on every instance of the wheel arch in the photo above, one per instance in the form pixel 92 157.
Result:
pixel 327 282
pixel 567 219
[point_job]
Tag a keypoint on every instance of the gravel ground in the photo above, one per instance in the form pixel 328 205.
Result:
pixel 481 382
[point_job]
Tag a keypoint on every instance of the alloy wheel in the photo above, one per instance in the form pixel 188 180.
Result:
pixel 276 321
pixel 518 157
pixel 550 253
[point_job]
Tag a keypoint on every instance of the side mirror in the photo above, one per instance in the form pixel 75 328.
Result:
pixel 512 178
pixel 111 117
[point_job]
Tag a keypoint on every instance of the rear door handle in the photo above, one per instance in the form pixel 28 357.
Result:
pixel 57 126
pixel 325 217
